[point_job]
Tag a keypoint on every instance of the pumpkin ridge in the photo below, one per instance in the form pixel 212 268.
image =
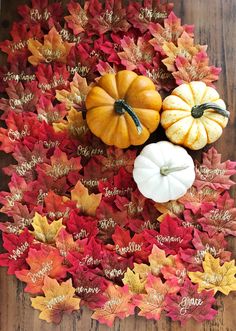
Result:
pixel 207 113
pixel 193 93
pixel 181 97
pixel 183 137
pixel 179 119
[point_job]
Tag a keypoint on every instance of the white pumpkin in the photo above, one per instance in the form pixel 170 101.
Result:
pixel 163 171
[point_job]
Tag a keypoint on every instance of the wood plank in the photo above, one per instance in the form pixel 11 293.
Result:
pixel 216 26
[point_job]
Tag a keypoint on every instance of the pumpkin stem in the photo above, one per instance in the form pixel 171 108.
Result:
pixel 121 107
pixel 198 111
pixel 165 170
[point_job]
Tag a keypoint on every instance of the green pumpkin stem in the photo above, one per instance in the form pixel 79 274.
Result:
pixel 165 170
pixel 198 111
pixel 121 107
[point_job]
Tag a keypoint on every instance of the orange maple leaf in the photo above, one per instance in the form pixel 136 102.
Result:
pixel 53 49
pixel 152 303
pixel 44 262
pixel 87 203
pixel 118 304
pixel 59 298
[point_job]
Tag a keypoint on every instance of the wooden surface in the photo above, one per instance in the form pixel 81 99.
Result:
pixel 215 22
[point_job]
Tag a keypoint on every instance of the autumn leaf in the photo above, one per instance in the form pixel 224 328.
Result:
pixel 74 124
pixel 158 260
pixel 58 299
pixel 202 244
pixel 58 206
pixel 76 95
pixel 152 303
pixel 135 54
pixel 135 283
pixel 185 47
pixel 78 18
pixel 53 49
pixel 87 203
pixel 221 218
pixel 173 208
pixel 60 165
pixel 214 173
pixel 81 226
pixel 171 31
pixel 114 266
pixel 108 16
pixel 17 247
pixel 128 246
pixel 66 244
pixel 151 11
pixel 188 303
pixel 42 262
pixel 215 277
pixel 171 237
pixel 195 199
pixel 43 231
pixel 195 69
pixel 48 112
pixel 118 304
pixel 89 286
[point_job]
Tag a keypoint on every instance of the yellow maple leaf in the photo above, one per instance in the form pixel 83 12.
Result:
pixel 172 208
pixel 87 203
pixel 57 300
pixel 215 277
pixel 143 270
pixel 43 231
pixel 134 281
pixel 53 49
pixel 158 260
pixel 75 124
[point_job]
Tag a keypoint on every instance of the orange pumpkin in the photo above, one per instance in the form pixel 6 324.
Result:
pixel 123 109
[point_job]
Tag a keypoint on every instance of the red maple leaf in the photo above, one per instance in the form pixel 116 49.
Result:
pixel 27 161
pixel 17 187
pixel 89 286
pixel 21 217
pixel 41 13
pixel 45 261
pixel 114 266
pixel 22 97
pixel 115 159
pixel 189 303
pixel 176 271
pixel 19 126
pixel 18 46
pixel 79 17
pixel 60 166
pixel 203 244
pixel 48 112
pixel 171 237
pixel 107 219
pixel 127 246
pixel 214 173
pixel 91 257
pixel 57 206
pixel 196 69
pixel 158 73
pixel 108 17
pixel 80 61
pixel 17 247
pixel 221 218
pixel 121 184
pixel 141 15
pixel 82 227
pixel 111 47
pixel 191 220
pixel 198 199
pixel 171 31
pixel 52 77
